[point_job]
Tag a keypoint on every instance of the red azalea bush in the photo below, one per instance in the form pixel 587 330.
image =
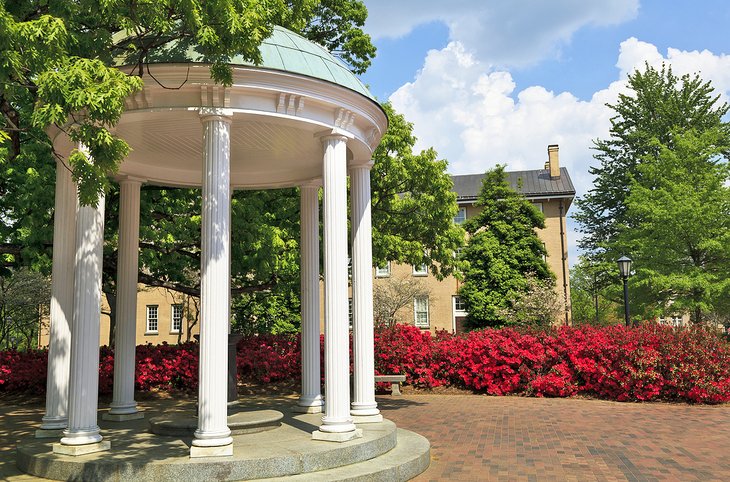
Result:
pixel 653 362
pixel 616 363
pixel 269 358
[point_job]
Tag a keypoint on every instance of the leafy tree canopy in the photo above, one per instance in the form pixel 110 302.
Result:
pixel 660 194
pixel 658 106
pixel 503 251
pixel 413 204
pixel 58 56
pixel 681 237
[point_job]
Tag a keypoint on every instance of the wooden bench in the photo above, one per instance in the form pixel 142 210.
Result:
pixel 394 380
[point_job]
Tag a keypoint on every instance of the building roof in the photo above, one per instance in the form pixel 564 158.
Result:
pixel 284 50
pixel 534 183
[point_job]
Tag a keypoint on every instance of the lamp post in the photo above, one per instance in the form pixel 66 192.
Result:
pixel 624 267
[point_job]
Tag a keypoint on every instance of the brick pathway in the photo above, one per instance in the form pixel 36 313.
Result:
pixel 510 438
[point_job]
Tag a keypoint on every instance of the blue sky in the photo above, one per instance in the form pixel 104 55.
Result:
pixel 495 81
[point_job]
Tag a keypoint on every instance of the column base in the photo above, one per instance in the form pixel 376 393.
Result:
pixel 121 417
pixel 54 423
pixel 49 433
pixel 303 409
pixel 214 451
pixel 358 419
pixel 337 436
pixel 76 450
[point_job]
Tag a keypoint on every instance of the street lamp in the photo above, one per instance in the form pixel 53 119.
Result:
pixel 624 267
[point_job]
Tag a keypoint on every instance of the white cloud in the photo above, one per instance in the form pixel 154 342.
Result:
pixel 506 33
pixel 474 117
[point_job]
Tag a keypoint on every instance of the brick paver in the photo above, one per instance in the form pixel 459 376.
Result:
pixel 512 438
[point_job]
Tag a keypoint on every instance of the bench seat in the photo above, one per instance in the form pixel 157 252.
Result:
pixel 394 380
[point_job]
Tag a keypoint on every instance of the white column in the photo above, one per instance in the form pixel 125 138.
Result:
pixel 364 408
pixel 84 375
pixel 62 296
pixel 311 399
pixel 123 406
pixel 337 424
pixel 213 438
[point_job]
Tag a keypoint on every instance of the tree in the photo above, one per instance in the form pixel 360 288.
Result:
pixel 337 25
pixel 24 304
pixel 413 203
pixel 392 295
pixel 503 249
pixel 658 105
pixel 594 297
pixel 681 237
pixel 538 306
pixel 667 131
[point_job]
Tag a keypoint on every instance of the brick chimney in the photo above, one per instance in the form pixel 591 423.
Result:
pixel 553 163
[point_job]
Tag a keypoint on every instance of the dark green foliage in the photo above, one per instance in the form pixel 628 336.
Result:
pixel 502 251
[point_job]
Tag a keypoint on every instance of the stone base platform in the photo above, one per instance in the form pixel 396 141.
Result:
pixel 240 423
pixel 384 453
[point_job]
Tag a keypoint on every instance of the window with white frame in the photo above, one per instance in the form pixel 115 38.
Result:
pixel 177 317
pixel 538 206
pixel 420 311
pixel 460 216
pixel 459 304
pixel 383 271
pixel 152 318
pixel 420 270
pixel 349 312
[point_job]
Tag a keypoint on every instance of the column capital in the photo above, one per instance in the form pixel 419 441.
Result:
pixel 361 165
pixel 312 183
pixel 208 114
pixel 333 134
pixel 124 179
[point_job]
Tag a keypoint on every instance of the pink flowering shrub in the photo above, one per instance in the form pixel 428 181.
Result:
pixel 653 362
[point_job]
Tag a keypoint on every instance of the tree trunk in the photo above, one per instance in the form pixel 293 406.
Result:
pixel 698 315
pixel 111 298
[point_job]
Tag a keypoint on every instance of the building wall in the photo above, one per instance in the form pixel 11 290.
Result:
pixel 164 300
pixel 557 259
pixel 442 293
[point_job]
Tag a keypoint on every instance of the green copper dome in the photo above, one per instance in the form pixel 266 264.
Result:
pixel 284 50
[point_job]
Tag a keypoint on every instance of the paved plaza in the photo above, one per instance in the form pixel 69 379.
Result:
pixel 512 438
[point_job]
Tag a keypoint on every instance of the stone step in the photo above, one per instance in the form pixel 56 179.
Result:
pixel 410 457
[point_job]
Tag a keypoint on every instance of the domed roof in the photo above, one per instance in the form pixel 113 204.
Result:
pixel 284 50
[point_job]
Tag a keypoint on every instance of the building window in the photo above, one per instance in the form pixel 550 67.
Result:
pixel 420 311
pixel 152 319
pixel 349 312
pixel 538 206
pixel 420 270
pixel 459 304
pixel 460 216
pixel 177 316
pixel 383 271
